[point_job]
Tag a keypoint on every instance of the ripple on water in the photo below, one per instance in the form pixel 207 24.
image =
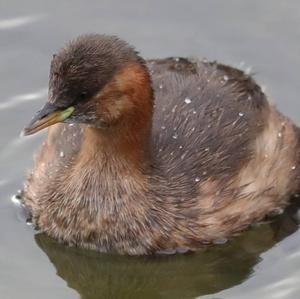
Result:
pixel 18 21
pixel 19 99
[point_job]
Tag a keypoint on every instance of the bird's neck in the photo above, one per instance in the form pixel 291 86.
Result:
pixel 128 148
pixel 126 142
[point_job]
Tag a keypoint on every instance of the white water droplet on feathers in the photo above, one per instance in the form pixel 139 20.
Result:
pixel 187 100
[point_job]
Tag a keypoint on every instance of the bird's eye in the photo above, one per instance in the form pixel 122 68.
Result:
pixel 83 95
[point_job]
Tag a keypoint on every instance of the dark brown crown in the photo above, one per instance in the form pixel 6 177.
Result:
pixel 86 65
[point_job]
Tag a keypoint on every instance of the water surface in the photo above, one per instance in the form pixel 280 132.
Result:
pixel 262 263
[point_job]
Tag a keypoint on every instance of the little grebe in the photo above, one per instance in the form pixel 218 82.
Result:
pixel 155 156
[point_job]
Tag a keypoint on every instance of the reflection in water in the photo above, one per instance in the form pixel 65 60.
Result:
pixel 95 275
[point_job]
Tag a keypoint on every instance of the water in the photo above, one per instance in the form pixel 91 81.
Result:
pixel 262 263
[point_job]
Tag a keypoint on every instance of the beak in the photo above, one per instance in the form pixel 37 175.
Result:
pixel 47 116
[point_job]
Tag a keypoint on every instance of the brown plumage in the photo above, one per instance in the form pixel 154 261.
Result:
pixel 158 156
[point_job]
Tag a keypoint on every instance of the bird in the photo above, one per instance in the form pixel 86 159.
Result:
pixel 156 156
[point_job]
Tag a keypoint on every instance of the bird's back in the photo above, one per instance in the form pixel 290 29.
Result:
pixel 203 113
